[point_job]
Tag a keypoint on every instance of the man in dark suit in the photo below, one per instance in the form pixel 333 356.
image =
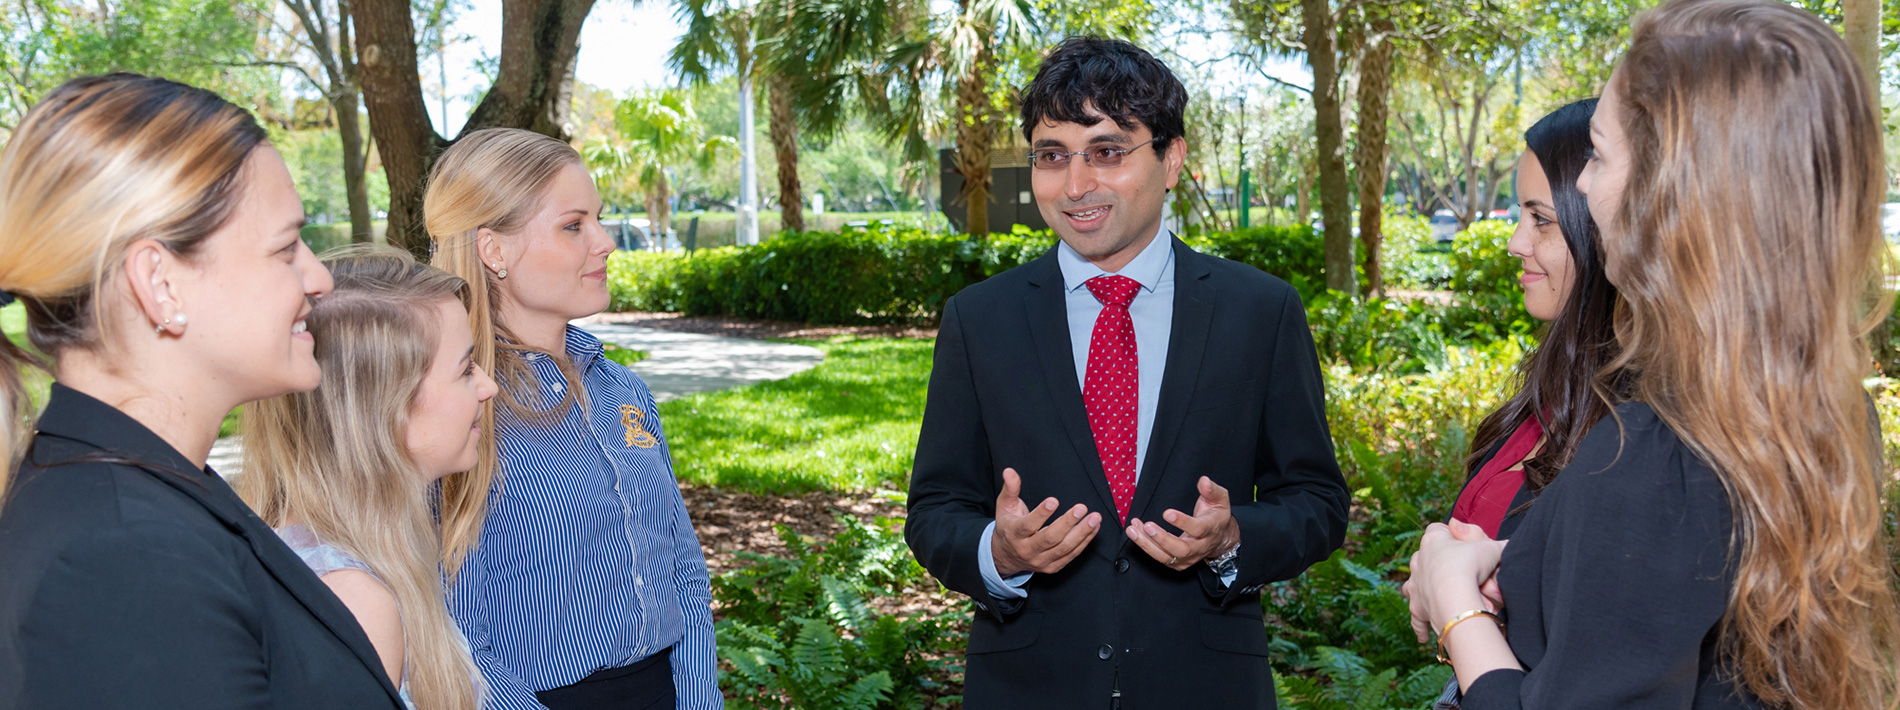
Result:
pixel 1170 400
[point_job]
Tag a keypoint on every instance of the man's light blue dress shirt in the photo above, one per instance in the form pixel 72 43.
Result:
pixel 1153 314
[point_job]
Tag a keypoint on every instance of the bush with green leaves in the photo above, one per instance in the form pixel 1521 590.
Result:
pixel 1411 257
pixel 799 633
pixel 884 274
pixel 1342 635
pixel 1481 263
pixel 1296 254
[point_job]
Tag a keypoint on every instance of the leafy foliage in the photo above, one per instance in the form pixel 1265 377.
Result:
pixel 884 274
pixel 1342 632
pixel 798 632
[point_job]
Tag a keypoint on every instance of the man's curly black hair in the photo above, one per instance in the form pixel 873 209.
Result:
pixel 1115 78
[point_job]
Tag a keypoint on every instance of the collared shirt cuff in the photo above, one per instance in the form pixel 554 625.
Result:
pixel 1000 588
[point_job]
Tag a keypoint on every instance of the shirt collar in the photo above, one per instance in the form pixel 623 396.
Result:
pixel 582 348
pixel 1146 268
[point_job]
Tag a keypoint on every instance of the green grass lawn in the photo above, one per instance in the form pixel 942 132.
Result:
pixel 847 424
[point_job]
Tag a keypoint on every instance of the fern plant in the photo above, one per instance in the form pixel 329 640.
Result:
pixel 799 632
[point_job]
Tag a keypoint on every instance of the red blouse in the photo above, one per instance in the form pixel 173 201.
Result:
pixel 1487 497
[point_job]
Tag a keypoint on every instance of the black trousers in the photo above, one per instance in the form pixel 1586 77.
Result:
pixel 646 684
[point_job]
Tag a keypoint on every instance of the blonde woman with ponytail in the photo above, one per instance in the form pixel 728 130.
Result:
pixel 1719 542
pixel 152 234
pixel 577 576
pixel 343 472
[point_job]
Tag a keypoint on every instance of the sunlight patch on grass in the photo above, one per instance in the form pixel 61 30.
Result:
pixel 849 424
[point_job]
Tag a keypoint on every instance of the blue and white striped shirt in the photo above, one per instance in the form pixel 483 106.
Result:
pixel 587 559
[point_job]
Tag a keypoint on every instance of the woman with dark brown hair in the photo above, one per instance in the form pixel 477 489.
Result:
pixel 1519 448
pixel 1719 542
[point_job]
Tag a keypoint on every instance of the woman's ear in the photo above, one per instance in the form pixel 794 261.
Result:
pixel 150 272
pixel 488 247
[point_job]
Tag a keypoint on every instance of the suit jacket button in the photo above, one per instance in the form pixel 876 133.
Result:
pixel 1121 565
pixel 1106 651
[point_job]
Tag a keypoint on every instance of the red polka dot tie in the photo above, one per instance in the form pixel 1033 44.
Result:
pixel 1111 388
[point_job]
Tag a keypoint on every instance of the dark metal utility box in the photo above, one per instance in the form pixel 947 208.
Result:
pixel 1011 200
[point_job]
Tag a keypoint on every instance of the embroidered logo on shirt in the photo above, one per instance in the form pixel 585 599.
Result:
pixel 631 417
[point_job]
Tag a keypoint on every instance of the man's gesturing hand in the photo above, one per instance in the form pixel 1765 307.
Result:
pixel 1022 544
pixel 1208 533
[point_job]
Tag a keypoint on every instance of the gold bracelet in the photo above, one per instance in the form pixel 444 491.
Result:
pixel 1443 654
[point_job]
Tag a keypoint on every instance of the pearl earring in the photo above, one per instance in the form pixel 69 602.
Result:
pixel 502 274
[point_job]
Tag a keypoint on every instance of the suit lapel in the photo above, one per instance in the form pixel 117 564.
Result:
pixel 1187 342
pixel 74 415
pixel 287 568
pixel 1048 312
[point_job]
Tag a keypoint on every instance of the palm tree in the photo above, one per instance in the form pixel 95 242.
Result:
pixel 957 55
pixel 811 55
pixel 658 130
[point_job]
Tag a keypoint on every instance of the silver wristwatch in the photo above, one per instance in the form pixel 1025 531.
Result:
pixel 1224 564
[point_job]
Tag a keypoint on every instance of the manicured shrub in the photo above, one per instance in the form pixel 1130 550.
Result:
pixel 883 274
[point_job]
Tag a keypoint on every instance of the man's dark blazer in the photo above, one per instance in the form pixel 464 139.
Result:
pixel 152 585
pixel 1241 402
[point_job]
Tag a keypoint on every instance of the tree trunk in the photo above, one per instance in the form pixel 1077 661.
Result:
pixel 349 122
pixel 534 82
pixel 1303 195
pixel 784 132
pixel 974 134
pixel 1862 29
pixel 533 90
pixel 1375 89
pixel 398 118
pixel 1861 25
pixel 1334 195
pixel 350 128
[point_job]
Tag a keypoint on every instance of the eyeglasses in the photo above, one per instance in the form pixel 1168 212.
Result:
pixel 1100 157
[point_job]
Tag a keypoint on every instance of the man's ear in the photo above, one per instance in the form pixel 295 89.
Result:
pixel 488 247
pixel 1175 158
pixel 150 271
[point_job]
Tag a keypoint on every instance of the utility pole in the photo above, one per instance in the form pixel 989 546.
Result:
pixel 748 168
pixel 1245 204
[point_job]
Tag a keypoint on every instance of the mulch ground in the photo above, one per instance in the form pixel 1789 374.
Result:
pixel 731 521
pixel 759 329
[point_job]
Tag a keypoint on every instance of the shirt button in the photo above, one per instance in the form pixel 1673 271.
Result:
pixel 1121 565
pixel 639 581
pixel 1106 651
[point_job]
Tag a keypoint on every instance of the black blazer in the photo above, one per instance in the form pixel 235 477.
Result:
pixel 1616 582
pixel 1241 402
pixel 131 579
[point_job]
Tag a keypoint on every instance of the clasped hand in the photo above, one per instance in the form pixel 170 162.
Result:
pixel 1454 571
pixel 1022 542
pixel 1210 532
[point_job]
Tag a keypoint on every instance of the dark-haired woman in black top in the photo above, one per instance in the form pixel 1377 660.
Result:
pixel 1720 542
pixel 1520 447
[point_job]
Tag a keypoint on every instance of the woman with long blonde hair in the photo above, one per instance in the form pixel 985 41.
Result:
pixel 1719 542
pixel 580 582
pixel 343 472
pixel 151 232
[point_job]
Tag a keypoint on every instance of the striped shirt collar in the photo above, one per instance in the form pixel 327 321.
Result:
pixel 583 349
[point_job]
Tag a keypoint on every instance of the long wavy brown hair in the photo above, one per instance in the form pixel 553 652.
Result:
pixel 1749 255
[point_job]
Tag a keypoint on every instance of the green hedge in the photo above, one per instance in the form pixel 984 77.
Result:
pixel 885 274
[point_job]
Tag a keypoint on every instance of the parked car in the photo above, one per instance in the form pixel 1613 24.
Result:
pixel 630 234
pixel 1444 225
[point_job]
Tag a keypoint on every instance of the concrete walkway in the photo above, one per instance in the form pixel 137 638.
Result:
pixel 679 365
